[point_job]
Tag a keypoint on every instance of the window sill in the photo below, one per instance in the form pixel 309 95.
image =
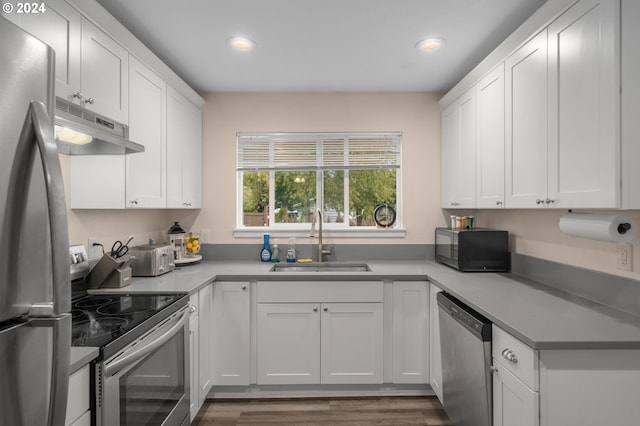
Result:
pixel 328 233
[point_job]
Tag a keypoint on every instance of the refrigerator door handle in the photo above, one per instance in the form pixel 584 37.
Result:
pixel 38 128
pixel 61 327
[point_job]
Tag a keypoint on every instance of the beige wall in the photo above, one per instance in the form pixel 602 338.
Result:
pixel 536 233
pixel 416 115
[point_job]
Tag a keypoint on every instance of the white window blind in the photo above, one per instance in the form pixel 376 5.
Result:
pixel 313 151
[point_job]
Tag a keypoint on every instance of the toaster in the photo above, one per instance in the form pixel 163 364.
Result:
pixel 152 260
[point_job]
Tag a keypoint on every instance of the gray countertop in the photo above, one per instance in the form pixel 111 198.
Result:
pixel 81 356
pixel 540 316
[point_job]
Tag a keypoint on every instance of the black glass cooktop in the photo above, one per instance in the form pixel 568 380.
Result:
pixel 113 321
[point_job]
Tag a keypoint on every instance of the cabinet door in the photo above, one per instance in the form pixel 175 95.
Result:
pixel 435 357
pixel 184 149
pixel 526 125
pixel 410 332
pixel 105 74
pixel 490 140
pixel 288 343
pixel 231 333
pixel 60 28
pixel 351 349
pixel 205 302
pixel 146 171
pixel 459 153
pixel 584 102
pixel 514 404
pixel 194 353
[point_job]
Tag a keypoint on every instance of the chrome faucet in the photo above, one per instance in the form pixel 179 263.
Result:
pixel 321 250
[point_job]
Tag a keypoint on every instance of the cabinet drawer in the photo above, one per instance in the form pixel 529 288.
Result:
pixel 319 291
pixel 524 363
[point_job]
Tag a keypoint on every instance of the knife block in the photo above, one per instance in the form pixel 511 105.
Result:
pixel 99 274
pixel 119 277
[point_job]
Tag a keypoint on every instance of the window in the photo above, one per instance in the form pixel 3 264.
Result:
pixel 285 177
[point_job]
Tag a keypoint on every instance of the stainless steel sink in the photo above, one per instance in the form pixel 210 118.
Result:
pixel 321 267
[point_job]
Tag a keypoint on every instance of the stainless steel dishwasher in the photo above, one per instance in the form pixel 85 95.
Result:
pixel 465 342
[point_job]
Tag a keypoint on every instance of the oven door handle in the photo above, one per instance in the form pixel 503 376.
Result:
pixel 113 368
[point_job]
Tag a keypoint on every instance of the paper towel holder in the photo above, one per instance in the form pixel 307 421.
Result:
pixel 623 228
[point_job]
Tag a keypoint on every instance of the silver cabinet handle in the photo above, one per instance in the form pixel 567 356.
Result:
pixel 88 101
pixel 549 201
pixel 493 369
pixel 498 203
pixel 77 95
pixel 315 309
pixel 510 356
pixel 539 201
pixel 244 287
pixel 134 202
pixel 193 308
pixel 325 309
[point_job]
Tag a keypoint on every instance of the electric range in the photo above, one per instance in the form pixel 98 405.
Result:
pixel 113 321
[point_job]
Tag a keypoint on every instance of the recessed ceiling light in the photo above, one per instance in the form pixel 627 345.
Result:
pixel 241 43
pixel 430 44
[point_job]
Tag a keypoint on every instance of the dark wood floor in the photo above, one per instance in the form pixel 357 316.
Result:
pixel 392 411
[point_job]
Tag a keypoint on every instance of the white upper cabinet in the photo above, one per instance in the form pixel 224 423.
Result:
pixel 459 153
pixel 105 74
pixel 526 125
pixel 584 102
pixel 60 28
pixel 490 140
pixel 147 171
pixel 184 152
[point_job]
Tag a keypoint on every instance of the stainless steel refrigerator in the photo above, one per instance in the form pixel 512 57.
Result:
pixel 35 300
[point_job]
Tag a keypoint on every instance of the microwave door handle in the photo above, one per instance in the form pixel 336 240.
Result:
pixel 114 367
pixel 38 128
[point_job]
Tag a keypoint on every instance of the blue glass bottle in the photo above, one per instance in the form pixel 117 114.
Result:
pixel 265 253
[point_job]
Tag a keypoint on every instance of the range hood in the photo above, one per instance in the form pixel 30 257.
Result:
pixel 82 132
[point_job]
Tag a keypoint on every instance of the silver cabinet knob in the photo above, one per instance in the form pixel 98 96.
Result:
pixel 77 95
pixel 193 308
pixel 88 101
pixel 315 309
pixel 134 202
pixel 510 356
pixel 244 287
pixel 325 309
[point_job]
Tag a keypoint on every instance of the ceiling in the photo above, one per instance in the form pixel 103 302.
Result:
pixel 321 45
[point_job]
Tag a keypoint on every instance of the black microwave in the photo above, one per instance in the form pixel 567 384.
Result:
pixel 473 250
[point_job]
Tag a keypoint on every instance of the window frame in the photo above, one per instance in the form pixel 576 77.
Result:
pixel 329 229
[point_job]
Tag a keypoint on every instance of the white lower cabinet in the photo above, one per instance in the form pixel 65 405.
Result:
pixel 319 332
pixel 351 343
pixel 78 403
pixel 231 334
pixel 288 343
pixel 514 404
pixel 411 332
pixel 586 387
pixel 200 347
pixel 435 357
pixel 313 343
pixel 194 354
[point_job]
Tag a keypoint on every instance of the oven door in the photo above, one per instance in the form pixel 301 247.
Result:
pixel 148 382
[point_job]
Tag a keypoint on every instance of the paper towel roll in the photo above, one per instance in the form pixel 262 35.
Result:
pixel 602 227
